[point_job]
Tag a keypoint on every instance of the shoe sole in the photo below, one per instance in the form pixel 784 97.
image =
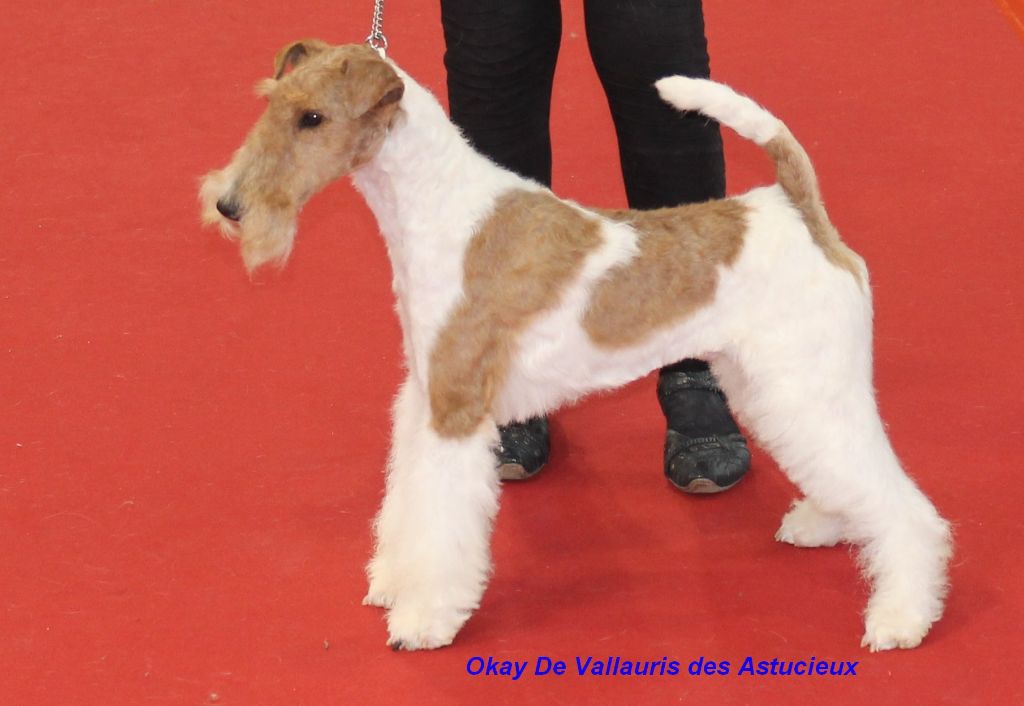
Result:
pixel 702 486
pixel 514 471
pixel 698 486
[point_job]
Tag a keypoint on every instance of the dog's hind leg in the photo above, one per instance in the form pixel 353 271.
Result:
pixel 432 559
pixel 810 403
pixel 807 525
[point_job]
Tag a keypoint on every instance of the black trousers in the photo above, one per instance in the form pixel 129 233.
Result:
pixel 500 59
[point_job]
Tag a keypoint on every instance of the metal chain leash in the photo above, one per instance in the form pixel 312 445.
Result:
pixel 376 38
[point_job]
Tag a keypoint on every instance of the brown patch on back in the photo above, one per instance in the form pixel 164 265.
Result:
pixel 797 179
pixel 675 273
pixel 516 266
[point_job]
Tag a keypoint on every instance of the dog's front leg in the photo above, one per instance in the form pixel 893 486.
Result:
pixel 408 412
pixel 432 559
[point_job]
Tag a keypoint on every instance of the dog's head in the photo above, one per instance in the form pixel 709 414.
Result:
pixel 329 109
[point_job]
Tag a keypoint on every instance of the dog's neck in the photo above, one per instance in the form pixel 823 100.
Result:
pixel 426 182
pixel 429 190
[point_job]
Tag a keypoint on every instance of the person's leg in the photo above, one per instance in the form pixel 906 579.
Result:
pixel 669 159
pixel 500 57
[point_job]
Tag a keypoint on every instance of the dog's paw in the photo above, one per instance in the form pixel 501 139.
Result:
pixel 416 629
pixel 378 598
pixel 887 629
pixel 807 526
pixel 381 591
pixel 420 643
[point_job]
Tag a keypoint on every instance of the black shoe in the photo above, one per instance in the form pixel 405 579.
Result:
pixel 523 449
pixel 704 449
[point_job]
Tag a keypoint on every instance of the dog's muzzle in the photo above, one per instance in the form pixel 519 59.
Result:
pixel 229 209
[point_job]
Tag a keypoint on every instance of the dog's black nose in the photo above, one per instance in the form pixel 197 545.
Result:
pixel 228 209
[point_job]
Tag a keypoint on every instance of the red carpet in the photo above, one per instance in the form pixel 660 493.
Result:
pixel 1014 11
pixel 189 461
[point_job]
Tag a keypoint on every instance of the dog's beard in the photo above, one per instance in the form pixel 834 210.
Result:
pixel 265 236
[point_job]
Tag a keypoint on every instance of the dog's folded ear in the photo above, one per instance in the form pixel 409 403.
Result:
pixel 295 53
pixel 370 84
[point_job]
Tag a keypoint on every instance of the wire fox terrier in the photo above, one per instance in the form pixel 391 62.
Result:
pixel 513 302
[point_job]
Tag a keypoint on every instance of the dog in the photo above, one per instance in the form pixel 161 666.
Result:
pixel 513 302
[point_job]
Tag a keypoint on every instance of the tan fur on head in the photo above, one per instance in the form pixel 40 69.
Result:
pixel 291 55
pixel 329 111
pixel 264 87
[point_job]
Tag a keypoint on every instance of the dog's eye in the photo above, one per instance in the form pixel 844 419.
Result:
pixel 310 119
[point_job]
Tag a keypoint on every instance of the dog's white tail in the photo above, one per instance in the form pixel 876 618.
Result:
pixel 720 102
pixel 793 167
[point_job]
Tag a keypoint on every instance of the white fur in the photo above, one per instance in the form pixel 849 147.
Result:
pixel 720 102
pixel 788 334
pixel 433 531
